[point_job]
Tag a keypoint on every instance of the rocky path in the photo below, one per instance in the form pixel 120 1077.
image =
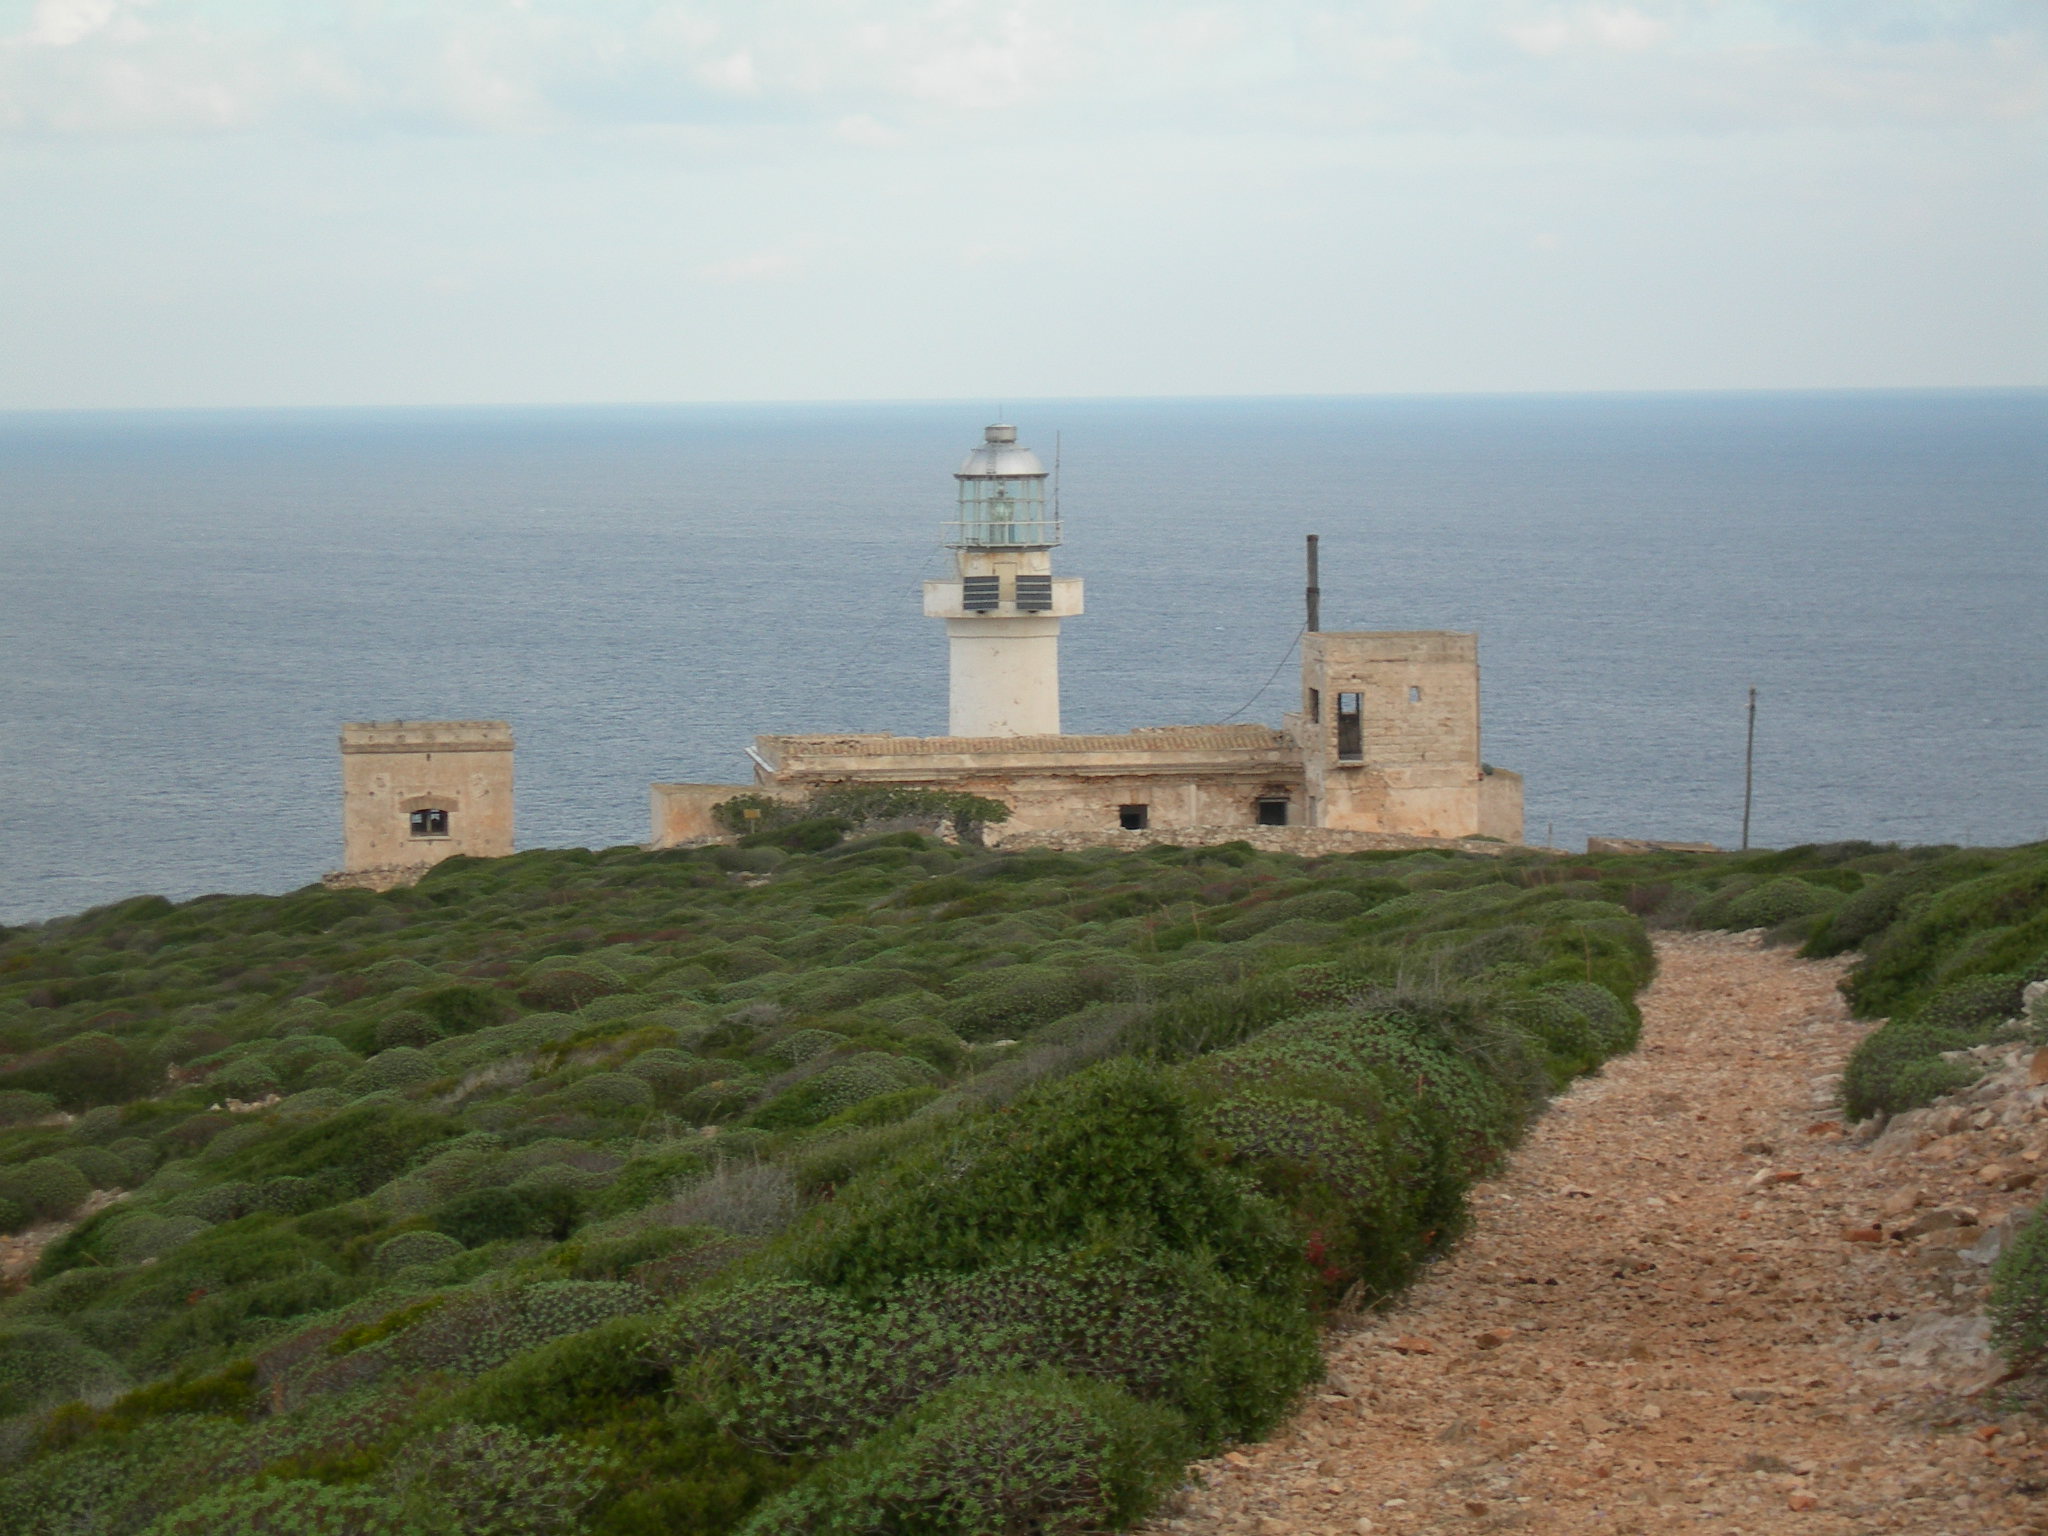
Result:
pixel 1687 1306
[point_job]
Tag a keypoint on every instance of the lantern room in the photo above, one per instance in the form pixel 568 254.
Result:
pixel 1002 497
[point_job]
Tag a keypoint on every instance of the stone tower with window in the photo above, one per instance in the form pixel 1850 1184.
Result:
pixel 1389 734
pixel 415 792
pixel 1003 605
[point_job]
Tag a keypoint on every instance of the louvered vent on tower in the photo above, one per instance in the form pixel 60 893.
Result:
pixel 1034 594
pixel 981 594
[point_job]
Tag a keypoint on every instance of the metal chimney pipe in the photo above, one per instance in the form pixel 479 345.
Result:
pixel 1315 592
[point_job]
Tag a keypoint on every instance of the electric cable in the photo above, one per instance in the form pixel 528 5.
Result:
pixel 1284 657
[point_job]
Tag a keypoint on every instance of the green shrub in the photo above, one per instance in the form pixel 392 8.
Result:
pixel 407 1028
pixel 2019 1297
pixel 841 1086
pixel 41 1366
pixel 474 1478
pixel 461 1010
pixel 1899 1067
pixel 46 1188
pixel 1972 1006
pixel 19 1107
pixel 496 1214
pixel 102 1169
pixel 1114 1148
pixel 479 1331
pixel 1038 1452
pixel 568 984
pixel 392 1071
pixel 1765 905
pixel 1013 1000
pixel 409 1248
pixel 1995 923
pixel 245 1079
pixel 288 1507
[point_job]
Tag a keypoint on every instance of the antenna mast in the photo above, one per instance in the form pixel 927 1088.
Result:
pixel 1749 771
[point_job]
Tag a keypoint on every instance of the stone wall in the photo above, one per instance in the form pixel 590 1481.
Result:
pixel 1309 842
pixel 387 877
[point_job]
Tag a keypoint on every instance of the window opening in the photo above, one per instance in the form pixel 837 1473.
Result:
pixel 1315 706
pixel 429 823
pixel 1350 728
pixel 1133 818
pixel 1414 695
pixel 1272 812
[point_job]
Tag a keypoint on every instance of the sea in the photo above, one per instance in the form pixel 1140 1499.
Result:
pixel 192 602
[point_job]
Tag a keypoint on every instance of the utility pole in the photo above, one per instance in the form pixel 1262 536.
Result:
pixel 1749 772
pixel 1315 592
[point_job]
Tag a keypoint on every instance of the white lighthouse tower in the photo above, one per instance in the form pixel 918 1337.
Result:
pixel 1003 606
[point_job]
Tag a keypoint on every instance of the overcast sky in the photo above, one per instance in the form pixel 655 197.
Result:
pixel 285 202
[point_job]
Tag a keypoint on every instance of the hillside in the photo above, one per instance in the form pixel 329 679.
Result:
pixel 887 1185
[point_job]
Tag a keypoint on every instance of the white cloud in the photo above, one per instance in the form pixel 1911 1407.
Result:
pixel 61 23
pixel 1080 66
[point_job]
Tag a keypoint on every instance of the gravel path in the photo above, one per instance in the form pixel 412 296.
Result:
pixel 1671 1314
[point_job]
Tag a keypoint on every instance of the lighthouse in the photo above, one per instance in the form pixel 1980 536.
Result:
pixel 1003 605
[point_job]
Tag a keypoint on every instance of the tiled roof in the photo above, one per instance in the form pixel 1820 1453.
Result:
pixel 1209 738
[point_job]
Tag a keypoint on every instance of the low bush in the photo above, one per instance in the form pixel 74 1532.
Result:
pixel 1038 1452
pixel 410 1248
pixel 2019 1298
pixel 41 1366
pixel 44 1188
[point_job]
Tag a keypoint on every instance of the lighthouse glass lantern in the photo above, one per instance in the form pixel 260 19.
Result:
pixel 1002 497
pixel 1002 604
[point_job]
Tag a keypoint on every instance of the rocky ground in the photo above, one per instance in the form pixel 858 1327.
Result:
pixel 1693 1303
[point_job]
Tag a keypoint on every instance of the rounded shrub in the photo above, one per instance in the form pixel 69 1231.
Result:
pixel 288 1507
pixel 392 1071
pixel 1012 1000
pixel 246 1079
pixel 41 1366
pixel 47 1188
pixel 407 1027
pixel 410 1248
pixel 496 1214
pixel 489 1478
pixel 18 1106
pixel 1975 1005
pixel 1765 905
pixel 102 1169
pixel 610 1092
pixel 2019 1297
pixel 1899 1067
pixel 568 982
pixel 1036 1452
pixel 842 1085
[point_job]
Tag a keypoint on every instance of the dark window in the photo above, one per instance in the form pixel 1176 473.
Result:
pixel 1350 728
pixel 429 823
pixel 1414 695
pixel 1315 706
pixel 980 594
pixel 1133 818
pixel 1034 594
pixel 1272 813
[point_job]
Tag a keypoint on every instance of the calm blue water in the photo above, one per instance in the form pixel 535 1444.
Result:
pixel 191 602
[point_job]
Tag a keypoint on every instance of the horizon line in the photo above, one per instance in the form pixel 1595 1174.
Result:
pixel 759 402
